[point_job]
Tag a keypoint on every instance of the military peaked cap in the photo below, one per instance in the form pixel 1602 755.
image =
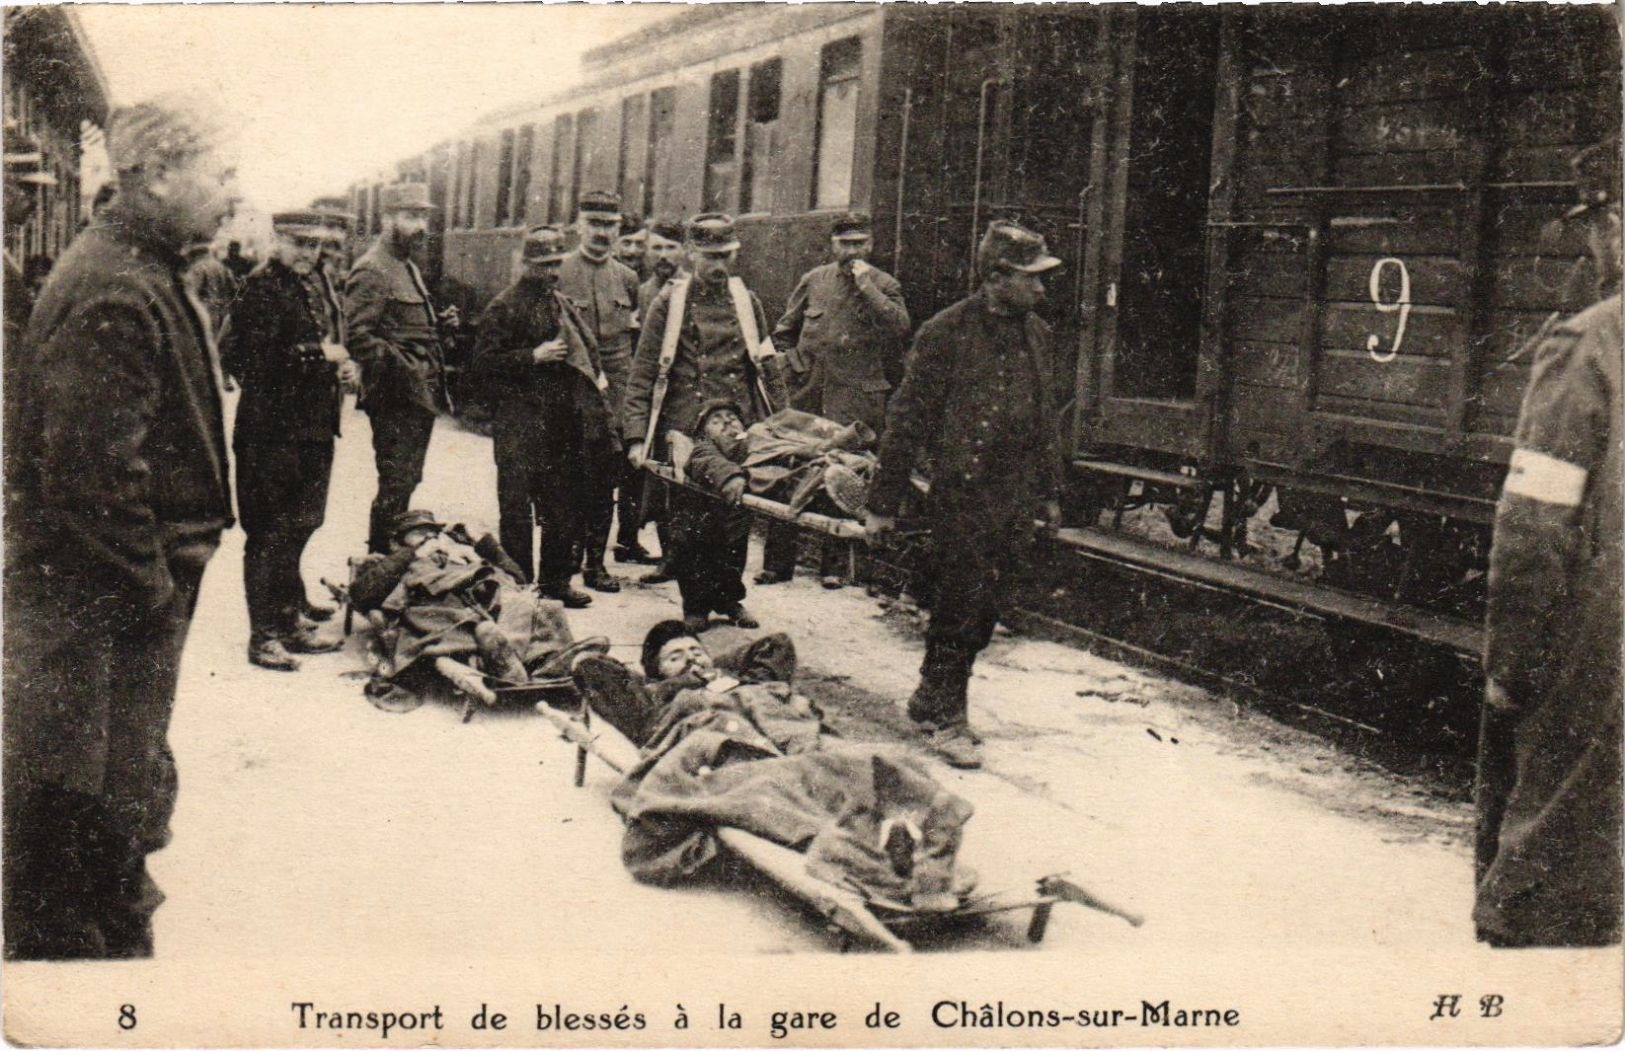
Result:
pixel 1015 248
pixel 670 230
pixel 712 232
pixel 544 244
pixel 631 223
pixel 598 201
pixel 405 197
pixel 413 518
pixel 851 227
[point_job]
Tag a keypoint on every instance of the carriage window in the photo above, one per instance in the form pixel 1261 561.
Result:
pixel 586 152
pixel 657 165
pixel 504 176
pixel 471 187
pixel 837 123
pixel 628 177
pixel 521 173
pixel 558 195
pixel 761 137
pixel 722 143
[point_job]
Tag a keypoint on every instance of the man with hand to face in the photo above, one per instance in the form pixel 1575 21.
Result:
pixel 283 347
pixel 553 434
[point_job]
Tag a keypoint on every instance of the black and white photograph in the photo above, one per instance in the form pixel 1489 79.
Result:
pixel 861 525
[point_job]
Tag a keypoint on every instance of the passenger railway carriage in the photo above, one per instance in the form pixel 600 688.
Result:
pixel 1306 248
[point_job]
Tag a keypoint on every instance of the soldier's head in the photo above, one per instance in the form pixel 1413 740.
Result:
pixel 1012 262
pixel 415 527
pixel 670 649
pixel 405 209
pixel 298 241
pixel 665 247
pixel 543 250
pixel 174 162
pixel 598 223
pixel 720 422
pixel 851 237
pixel 631 247
pixel 1597 181
pixel 712 247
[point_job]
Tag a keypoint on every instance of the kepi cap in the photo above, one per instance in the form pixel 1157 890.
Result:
pixel 544 244
pixel 405 197
pixel 413 518
pixel 670 230
pixel 1012 246
pixel 712 232
pixel 597 201
pixel 1596 176
pixel 851 227
pixel 631 223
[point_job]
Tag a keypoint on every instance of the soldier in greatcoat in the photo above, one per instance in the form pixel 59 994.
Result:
pixel 975 406
pixel 667 260
pixel 283 347
pixel 843 334
pixel 554 436
pixel 605 292
pixel 395 337
pixel 117 505
pixel 714 347
pixel 1548 794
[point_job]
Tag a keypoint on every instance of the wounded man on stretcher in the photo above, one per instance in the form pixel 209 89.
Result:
pixel 727 742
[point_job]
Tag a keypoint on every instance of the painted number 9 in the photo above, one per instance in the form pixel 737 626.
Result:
pixel 1401 304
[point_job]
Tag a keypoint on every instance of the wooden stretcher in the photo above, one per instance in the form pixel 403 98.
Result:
pixel 887 926
pixel 835 527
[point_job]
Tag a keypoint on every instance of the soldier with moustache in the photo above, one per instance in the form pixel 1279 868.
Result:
pixel 975 407
pixel 394 333
pixel 605 292
pixel 285 350
pixel 667 260
pixel 1548 792
pixel 554 437
pixel 843 335
pixel 631 247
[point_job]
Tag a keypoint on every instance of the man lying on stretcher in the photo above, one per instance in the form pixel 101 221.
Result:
pixel 454 592
pixel 728 741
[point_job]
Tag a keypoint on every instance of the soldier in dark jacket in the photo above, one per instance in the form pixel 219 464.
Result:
pixel 605 292
pixel 1548 795
pixel 553 435
pixel 119 503
pixel 975 407
pixel 666 261
pixel 719 350
pixel 842 335
pixel 395 337
pixel 283 348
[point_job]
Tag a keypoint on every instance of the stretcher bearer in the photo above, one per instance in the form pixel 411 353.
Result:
pixel 285 348
pixel 605 292
pixel 1549 801
pixel 975 406
pixel 666 261
pixel 843 334
pixel 705 338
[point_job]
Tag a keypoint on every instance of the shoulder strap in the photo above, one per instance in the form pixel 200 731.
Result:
pixel 676 307
pixel 755 353
pixel 423 291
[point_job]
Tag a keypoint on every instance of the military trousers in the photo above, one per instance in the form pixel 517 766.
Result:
pixel 710 540
pixel 282 490
pixel 400 441
pixel 617 495
pixel 545 480
pixel 77 835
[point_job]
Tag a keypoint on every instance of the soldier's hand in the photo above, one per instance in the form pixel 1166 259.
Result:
pixel 859 267
pixel 734 490
pixel 553 351
pixel 334 352
pixel 634 454
pixel 877 528
pixel 451 316
pixel 350 375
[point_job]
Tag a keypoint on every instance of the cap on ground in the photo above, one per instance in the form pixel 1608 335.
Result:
pixel 405 197
pixel 851 227
pixel 712 232
pixel 413 518
pixel 544 244
pixel 168 129
pixel 1596 176
pixel 1013 247
pixel 598 201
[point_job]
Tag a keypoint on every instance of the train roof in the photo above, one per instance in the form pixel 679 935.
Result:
pixel 47 46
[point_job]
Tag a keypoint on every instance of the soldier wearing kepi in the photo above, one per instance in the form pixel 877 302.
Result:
pixel 605 292
pixel 842 335
pixel 631 247
pixel 704 339
pixel 1548 795
pixel 974 405
pixel 284 348
pixel 121 493
pixel 553 434
pixel 667 261
pixel 395 337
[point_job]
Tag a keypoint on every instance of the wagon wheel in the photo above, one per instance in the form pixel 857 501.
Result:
pixel 1188 511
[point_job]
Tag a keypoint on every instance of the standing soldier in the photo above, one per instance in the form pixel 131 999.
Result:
pixel 552 431
pixel 394 336
pixel 631 247
pixel 1548 796
pixel 605 292
pixel 286 349
pixel 703 340
pixel 121 495
pixel 842 333
pixel 975 406
pixel 666 261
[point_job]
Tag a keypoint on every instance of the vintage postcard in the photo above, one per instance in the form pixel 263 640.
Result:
pixel 812 525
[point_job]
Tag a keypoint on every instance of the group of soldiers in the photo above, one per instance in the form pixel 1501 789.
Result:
pixel 117 492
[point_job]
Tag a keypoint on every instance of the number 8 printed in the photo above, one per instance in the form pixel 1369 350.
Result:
pixel 1401 305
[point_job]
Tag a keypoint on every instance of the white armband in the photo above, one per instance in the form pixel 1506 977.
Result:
pixel 1545 479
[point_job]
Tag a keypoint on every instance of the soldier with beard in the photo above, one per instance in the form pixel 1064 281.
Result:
pixel 631 247
pixel 605 292
pixel 394 336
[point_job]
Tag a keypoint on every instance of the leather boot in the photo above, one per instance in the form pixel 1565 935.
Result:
pixel 940 699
